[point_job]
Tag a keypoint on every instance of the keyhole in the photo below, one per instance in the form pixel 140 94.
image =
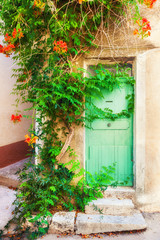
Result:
pixel 108 125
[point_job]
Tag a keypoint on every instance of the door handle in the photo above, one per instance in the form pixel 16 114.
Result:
pixel 109 124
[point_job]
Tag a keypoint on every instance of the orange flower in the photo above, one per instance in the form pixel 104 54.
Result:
pixel 20 33
pixel 8 49
pixel 149 3
pixel 14 33
pixel 38 4
pixel 28 139
pixel 7 38
pixel 31 140
pixel 80 1
pixel 60 46
pixel 144 28
pixel 138 22
pixel 135 31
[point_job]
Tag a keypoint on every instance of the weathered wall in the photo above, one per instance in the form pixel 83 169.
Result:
pixel 153 121
pixel 12 146
pixel 10 132
pixel 150 198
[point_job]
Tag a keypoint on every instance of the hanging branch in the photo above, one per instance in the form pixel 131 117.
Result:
pixel 66 144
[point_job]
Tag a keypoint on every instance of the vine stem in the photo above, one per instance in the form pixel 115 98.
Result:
pixel 67 143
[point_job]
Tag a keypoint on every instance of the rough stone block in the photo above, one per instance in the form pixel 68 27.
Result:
pixel 110 206
pixel 120 193
pixel 87 224
pixel 62 222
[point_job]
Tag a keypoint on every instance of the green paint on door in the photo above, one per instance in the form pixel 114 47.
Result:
pixel 111 142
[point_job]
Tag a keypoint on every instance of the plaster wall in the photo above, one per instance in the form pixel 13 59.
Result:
pixel 152 121
pixel 9 132
pixel 149 199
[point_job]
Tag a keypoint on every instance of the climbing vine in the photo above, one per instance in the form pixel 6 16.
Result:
pixel 46 38
pixel 109 79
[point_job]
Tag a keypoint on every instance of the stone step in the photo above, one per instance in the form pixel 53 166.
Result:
pixel 87 224
pixel 120 193
pixel 8 175
pixel 111 206
pixel 9 182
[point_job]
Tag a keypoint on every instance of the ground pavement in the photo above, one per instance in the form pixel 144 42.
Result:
pixel 152 232
pixel 152 219
pixel 7 196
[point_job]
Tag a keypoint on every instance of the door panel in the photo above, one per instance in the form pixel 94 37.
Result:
pixel 109 142
pixel 110 125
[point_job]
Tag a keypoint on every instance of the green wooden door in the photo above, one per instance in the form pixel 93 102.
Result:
pixel 108 141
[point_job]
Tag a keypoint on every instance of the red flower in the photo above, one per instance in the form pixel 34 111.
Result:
pixel 7 38
pixel 14 34
pixel 16 118
pixel 20 33
pixel 31 140
pixel 144 20
pixel 60 46
pixel 8 49
pixel 28 139
pixel 148 26
pixel 149 3
pixel 1 49
pixel 144 28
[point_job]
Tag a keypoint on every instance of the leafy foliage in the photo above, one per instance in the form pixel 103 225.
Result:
pixel 110 78
pixel 48 79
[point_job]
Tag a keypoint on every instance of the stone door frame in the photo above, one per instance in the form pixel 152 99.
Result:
pixel 139 118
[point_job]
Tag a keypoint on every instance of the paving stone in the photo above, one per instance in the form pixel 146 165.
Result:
pixel 87 224
pixel 62 222
pixel 111 206
pixel 7 197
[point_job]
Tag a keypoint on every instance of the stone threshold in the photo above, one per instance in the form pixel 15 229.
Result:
pixel 119 192
pixel 82 223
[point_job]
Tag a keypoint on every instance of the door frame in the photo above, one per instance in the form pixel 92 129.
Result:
pixel 138 70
